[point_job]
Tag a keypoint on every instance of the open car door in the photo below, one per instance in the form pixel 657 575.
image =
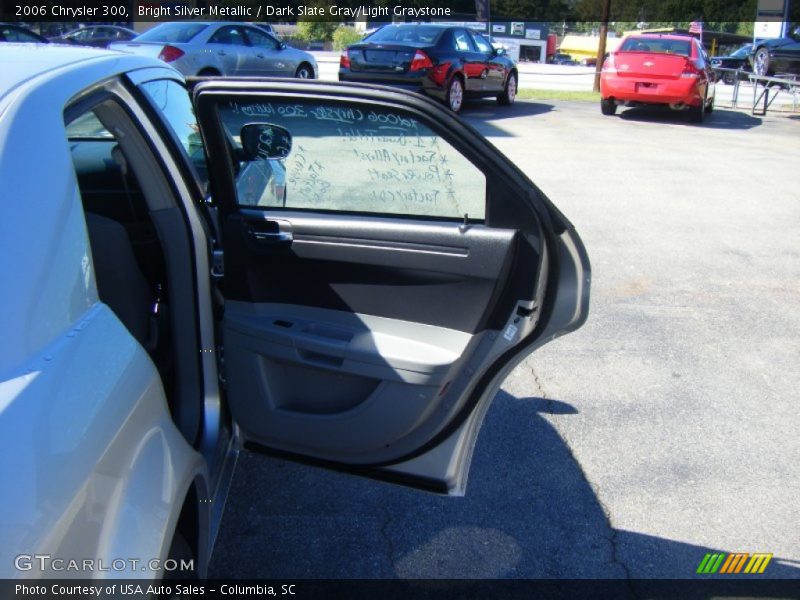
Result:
pixel 385 267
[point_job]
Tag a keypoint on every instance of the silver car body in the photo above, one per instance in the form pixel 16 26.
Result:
pixel 92 465
pixel 223 48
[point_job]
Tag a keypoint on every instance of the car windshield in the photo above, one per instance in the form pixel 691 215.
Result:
pixel 172 33
pixel 407 34
pixel 657 45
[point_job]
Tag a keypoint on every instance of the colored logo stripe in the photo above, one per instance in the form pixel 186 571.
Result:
pixel 730 564
pixel 710 564
pixel 734 563
pixel 758 562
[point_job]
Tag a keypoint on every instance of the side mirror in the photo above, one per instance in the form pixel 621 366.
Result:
pixel 262 141
pixel 499 51
pixel 281 45
pixel 796 33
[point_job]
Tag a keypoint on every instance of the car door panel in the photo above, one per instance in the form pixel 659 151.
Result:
pixel 359 337
pixel 358 263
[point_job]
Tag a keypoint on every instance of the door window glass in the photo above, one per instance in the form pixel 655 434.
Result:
pixel 171 99
pixel 233 36
pixel 261 40
pixel 345 157
pixel 462 41
pixel 482 43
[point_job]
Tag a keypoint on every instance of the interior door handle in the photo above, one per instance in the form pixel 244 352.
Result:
pixel 272 238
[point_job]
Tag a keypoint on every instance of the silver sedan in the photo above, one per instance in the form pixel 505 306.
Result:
pixel 222 48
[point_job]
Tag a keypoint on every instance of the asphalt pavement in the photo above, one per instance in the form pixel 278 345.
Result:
pixel 666 428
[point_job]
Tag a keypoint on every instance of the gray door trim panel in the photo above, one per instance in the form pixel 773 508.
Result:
pixel 365 345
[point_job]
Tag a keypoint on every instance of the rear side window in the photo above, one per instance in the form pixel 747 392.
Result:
pixel 657 45
pixel 175 33
pixel 347 158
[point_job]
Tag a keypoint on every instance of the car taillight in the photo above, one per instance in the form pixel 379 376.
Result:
pixel 420 61
pixel 170 53
pixel 609 66
pixel 690 71
pixel 438 74
pixel 344 60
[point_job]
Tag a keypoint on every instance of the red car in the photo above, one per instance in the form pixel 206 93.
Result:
pixel 672 70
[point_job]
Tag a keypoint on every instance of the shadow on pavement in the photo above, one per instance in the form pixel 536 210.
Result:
pixel 719 119
pixel 529 513
pixel 480 111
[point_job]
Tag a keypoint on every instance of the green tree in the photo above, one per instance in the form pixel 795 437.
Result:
pixel 316 30
pixel 344 36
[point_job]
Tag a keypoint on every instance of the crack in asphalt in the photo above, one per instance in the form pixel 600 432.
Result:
pixel 542 393
pixel 612 537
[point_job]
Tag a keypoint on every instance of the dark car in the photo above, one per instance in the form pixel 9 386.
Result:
pixel 450 63
pixel 781 55
pixel 735 60
pixel 99 36
pixel 15 33
pixel 562 59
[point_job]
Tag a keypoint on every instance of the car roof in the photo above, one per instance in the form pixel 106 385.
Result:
pixel 662 36
pixel 417 24
pixel 24 62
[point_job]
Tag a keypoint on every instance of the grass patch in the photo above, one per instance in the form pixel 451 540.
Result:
pixel 558 95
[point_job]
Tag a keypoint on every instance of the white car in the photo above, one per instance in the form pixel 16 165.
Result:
pixel 156 322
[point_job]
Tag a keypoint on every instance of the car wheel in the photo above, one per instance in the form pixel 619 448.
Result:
pixel 608 106
pixel 510 91
pixel 304 71
pixel 455 94
pixel 761 63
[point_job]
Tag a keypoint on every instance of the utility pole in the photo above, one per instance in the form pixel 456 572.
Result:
pixel 601 46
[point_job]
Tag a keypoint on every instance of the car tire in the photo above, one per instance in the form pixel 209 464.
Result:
pixel 608 106
pixel 455 94
pixel 304 71
pixel 698 113
pixel 509 94
pixel 179 550
pixel 761 62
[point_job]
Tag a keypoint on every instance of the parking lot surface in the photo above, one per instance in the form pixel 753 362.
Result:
pixel 665 428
